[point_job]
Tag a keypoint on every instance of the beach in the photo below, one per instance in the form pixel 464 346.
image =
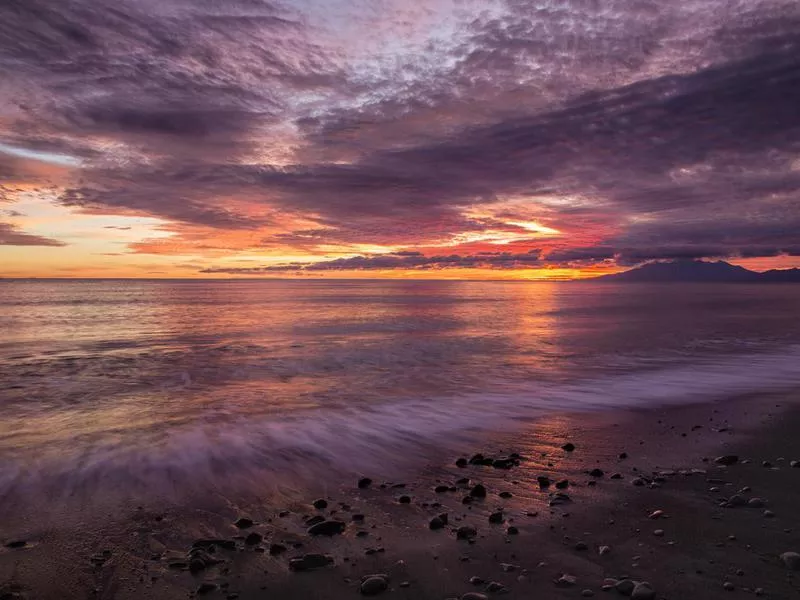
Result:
pixel 679 530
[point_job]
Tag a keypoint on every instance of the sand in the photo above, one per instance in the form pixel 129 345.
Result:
pixel 694 548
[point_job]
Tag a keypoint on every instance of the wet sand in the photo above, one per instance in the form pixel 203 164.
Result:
pixel 696 547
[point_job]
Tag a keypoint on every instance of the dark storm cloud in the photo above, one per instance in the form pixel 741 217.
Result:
pixel 398 260
pixel 12 236
pixel 670 128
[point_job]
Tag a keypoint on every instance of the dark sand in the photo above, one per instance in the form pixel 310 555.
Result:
pixel 703 546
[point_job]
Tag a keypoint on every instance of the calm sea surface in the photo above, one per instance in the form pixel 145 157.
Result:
pixel 142 383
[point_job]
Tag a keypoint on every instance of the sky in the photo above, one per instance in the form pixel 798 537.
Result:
pixel 523 139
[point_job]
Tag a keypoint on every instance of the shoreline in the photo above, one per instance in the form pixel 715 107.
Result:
pixel 131 558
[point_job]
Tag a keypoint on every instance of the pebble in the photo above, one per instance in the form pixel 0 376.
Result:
pixel 643 591
pixel 727 460
pixel 562 485
pixel 656 514
pixel 496 517
pixel 276 549
pixel 795 464
pixel 253 539
pixel 581 546
pixel 308 562
pixel 475 580
pixel 16 544
pixel 327 528
pixel 616 476
pixel 372 585
pixel 566 580
pixel 658 533
pixel 512 530
pixel 587 593
pixel 474 596
pixel 596 473
pixel 465 532
pixel 755 503
pixel 436 523
pixel 364 483
pixel 461 463
pixel 441 489
pixel 244 523
pixel 728 586
pixel 559 499
pixel 320 503
pixel 604 550
pixel 206 588
pixel 569 447
pixel 791 560
pixel 478 491
pixel 625 587
pixel 404 499
pixel 768 514
pixel 505 494
pixel 495 587
pixel 544 482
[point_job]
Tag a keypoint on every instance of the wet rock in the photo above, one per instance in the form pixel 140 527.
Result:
pixel 495 587
pixel 727 460
pixel 496 517
pixel 244 523
pixel 643 591
pixel 478 491
pixel 327 528
pixel 253 539
pixel 309 562
pixel 566 580
pixel 206 588
pixel 596 473
pixel 766 464
pixel 276 549
pixel 372 585
pixel 562 485
pixel 320 503
pixel 465 532
pixel 559 499
pixel 791 560
pixel 625 587
pixel 364 483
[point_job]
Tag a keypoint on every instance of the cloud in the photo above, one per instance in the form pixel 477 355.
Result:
pixel 12 236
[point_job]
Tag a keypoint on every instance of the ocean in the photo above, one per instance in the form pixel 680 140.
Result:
pixel 172 387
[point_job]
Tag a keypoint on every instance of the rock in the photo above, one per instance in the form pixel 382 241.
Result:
pixel 496 517
pixel 503 463
pixel 405 584
pixel 768 514
pixel 581 546
pixel 209 544
pixel 596 473
pixel 314 520
pixel 327 528
pixel 737 500
pixel 569 447
pixel 656 514
pixel 309 562
pixel 478 491
pixel 441 489
pixel 461 463
pixel 196 565
pixel 791 560
pixel 320 503
pixel 16 544
pixel 276 549
pixel 603 550
pixel 566 580
pixel 728 586
pixel 475 580
pixel 206 588
pixel 465 532
pixel 463 481
pixel 436 523
pixel 562 485
pixel 616 476
pixel 643 591
pixel 795 464
pixel 638 482
pixel 253 539
pixel 244 523
pixel 544 482
pixel 512 530
pixel 766 464
pixel 755 503
pixel 727 460
pixel 495 587
pixel 658 533
pixel 358 517
pixel 625 587
pixel 476 459
pixel 404 499
pixel 364 483
pixel 559 498
pixel 505 495
pixel 474 596
pixel 372 585
pixel 587 593
pixel 623 455
pixel 759 591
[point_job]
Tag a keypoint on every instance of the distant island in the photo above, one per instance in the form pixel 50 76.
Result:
pixel 698 271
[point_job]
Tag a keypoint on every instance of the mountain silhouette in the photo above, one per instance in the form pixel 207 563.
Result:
pixel 698 271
